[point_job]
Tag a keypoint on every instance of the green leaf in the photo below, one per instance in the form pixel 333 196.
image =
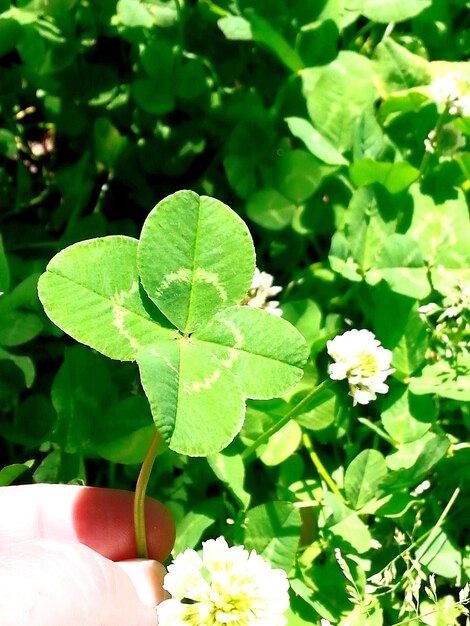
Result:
pixel 341 260
pixel 407 417
pixel 23 363
pixel 363 476
pixel 97 280
pixel 188 391
pixel 10 33
pixel 318 145
pixel 81 392
pixel 123 432
pixel 108 141
pixel 395 177
pixel 133 14
pixel 337 96
pixel 32 422
pixel 445 379
pixel 282 444
pixel 401 265
pixel 270 209
pixel 401 329
pixel 443 230
pixel 397 69
pixel 317 596
pixel 369 139
pixel 410 351
pixel 273 530
pixel 306 316
pixel 153 96
pixel 324 414
pixel 235 28
pixel 412 461
pixel 59 466
pixel 265 352
pixel 205 258
pixel 190 529
pixel 391 10
pixel 265 34
pixel 440 555
pixel 369 225
pixel 18 327
pixel 229 468
pixel 317 42
pixel 8 146
pixel 298 175
pixel 11 472
pixel 346 526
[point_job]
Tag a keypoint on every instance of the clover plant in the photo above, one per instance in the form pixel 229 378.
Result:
pixel 170 302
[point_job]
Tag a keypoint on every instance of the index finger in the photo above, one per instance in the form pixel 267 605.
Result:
pixel 99 518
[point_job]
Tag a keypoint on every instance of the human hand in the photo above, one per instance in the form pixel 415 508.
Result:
pixel 64 557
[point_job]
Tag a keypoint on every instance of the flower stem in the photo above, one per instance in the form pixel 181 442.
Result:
pixel 299 408
pixel 320 467
pixel 139 496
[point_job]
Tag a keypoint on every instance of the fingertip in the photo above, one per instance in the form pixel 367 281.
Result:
pixel 103 520
pixel 100 518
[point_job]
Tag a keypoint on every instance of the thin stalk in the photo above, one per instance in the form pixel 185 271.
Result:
pixel 139 496
pixel 322 471
pixel 296 410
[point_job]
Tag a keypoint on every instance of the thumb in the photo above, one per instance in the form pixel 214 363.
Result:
pixel 51 583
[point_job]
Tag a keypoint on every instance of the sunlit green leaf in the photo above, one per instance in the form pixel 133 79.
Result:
pixel 273 530
pixel 202 268
pixel 363 475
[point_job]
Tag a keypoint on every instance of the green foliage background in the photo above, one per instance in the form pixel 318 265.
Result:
pixel 309 120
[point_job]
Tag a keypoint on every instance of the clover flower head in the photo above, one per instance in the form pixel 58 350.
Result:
pixel 260 292
pixel 360 358
pixel 452 90
pixel 225 585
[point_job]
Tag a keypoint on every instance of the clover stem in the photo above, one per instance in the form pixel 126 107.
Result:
pixel 139 496
pixel 322 471
pixel 299 408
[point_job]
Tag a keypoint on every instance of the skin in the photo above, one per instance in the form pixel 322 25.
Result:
pixel 67 556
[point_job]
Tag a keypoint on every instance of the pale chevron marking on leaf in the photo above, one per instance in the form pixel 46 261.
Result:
pixel 198 385
pixel 166 360
pixel 120 297
pixel 120 313
pixel 184 275
pixel 119 316
pixel 212 279
pixel 233 352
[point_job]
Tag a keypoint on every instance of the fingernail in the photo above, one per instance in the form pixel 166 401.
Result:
pixel 147 576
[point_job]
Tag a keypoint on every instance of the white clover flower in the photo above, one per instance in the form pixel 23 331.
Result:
pixel 452 91
pixel 261 290
pixel 361 359
pixel 223 586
